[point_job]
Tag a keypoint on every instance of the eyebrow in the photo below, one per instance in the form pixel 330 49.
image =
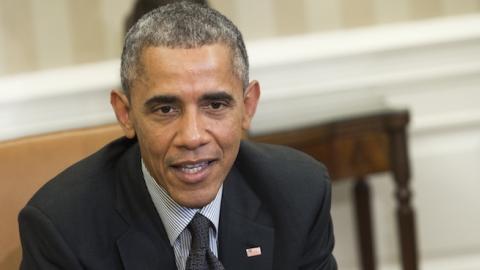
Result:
pixel 162 99
pixel 171 99
pixel 221 95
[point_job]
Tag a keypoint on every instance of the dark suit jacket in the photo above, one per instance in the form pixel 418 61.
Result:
pixel 98 214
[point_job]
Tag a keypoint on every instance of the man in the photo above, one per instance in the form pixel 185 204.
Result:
pixel 182 189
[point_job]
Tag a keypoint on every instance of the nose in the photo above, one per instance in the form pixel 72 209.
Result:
pixel 191 132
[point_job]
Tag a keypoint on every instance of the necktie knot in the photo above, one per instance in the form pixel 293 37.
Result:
pixel 201 257
pixel 199 228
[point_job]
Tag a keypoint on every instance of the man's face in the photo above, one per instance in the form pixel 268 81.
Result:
pixel 188 111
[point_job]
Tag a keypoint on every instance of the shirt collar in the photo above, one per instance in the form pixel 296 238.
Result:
pixel 175 218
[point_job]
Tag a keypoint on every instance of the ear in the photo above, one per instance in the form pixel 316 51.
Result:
pixel 121 107
pixel 250 101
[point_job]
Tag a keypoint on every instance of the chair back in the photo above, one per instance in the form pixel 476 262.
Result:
pixel 28 163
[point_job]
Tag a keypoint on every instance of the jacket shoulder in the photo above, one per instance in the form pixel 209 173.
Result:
pixel 85 184
pixel 277 157
pixel 284 168
pixel 73 220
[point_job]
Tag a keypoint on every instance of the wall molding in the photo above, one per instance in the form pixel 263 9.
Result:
pixel 304 79
pixel 353 71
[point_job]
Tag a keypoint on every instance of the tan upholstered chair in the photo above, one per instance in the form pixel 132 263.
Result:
pixel 26 164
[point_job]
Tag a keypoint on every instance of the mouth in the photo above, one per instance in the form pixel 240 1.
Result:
pixel 192 168
pixel 193 171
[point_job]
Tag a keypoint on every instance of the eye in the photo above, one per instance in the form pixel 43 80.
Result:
pixel 166 109
pixel 216 105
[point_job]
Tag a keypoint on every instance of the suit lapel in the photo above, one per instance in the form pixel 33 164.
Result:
pixel 144 245
pixel 244 224
pixel 138 251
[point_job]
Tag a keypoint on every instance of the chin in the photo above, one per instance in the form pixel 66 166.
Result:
pixel 196 201
pixel 194 204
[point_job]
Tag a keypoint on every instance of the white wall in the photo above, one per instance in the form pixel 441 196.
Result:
pixel 429 67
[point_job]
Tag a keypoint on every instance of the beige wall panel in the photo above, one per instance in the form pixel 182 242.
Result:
pixel 454 7
pixel 113 15
pixel 422 9
pixel 290 17
pixel 89 39
pixel 255 18
pixel 386 11
pixel 52 35
pixel 227 8
pixel 323 15
pixel 357 12
pixel 3 47
pixel 16 21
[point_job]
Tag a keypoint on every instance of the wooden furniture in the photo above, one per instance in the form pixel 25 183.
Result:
pixel 354 148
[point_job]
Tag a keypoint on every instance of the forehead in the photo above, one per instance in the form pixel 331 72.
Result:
pixel 171 59
pixel 171 68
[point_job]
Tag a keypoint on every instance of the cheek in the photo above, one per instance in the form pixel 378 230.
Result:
pixel 230 127
pixel 227 136
pixel 154 141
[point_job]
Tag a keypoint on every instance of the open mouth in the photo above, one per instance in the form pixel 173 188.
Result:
pixel 193 167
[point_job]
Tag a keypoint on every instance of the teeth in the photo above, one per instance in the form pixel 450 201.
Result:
pixel 194 168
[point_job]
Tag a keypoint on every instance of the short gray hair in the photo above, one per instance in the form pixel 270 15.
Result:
pixel 181 25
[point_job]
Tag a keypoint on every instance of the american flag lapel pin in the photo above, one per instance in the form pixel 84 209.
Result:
pixel 255 251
